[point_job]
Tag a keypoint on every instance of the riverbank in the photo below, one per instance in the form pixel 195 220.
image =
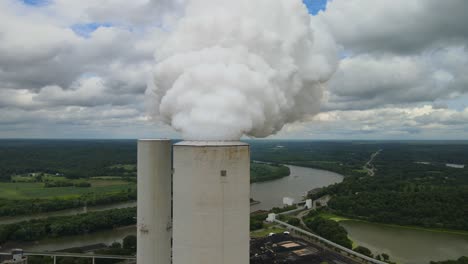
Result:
pixel 339 218
pixel 269 194
pixel 407 245
pixel 263 172
pixel 404 244
pixel 106 237
pixel 296 185
pixel 59 226
pixel 67 212
pixel 331 168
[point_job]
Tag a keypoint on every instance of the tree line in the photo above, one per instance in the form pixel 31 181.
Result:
pixel 328 229
pixel 67 225
pixel 35 206
pixel 61 183
pixel 72 158
pixel 461 260
pixel 260 172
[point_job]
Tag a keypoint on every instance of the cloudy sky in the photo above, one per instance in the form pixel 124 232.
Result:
pixel 79 69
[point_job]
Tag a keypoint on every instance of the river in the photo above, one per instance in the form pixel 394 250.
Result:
pixel 296 185
pixel 405 245
pixel 270 194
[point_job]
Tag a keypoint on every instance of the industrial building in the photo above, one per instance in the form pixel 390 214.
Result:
pixel 16 257
pixel 154 213
pixel 283 248
pixel 193 202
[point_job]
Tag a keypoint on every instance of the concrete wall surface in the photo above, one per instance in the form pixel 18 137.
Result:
pixel 211 203
pixel 154 202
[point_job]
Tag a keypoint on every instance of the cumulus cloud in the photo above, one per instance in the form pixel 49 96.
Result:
pixel 420 122
pixel 51 75
pixel 365 81
pixel 83 66
pixel 36 52
pixel 85 92
pixel 397 53
pixel 17 98
pixel 397 26
pixel 120 12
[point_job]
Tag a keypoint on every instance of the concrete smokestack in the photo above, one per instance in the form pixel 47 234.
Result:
pixel 154 202
pixel 211 202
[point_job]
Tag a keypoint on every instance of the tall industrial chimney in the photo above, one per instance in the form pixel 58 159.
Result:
pixel 211 203
pixel 154 202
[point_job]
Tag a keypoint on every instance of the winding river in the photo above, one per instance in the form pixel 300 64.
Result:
pixel 296 185
pixel 403 245
pixel 270 194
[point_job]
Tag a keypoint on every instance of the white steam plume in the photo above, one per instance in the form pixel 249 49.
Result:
pixel 244 67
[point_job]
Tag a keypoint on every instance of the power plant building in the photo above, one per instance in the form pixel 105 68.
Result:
pixel 210 202
pixel 154 168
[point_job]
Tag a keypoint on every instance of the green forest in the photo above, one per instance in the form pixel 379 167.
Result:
pixel 260 172
pixel 38 176
pixel 71 158
pixel 35 206
pixel 461 260
pixel 412 186
pixel 330 230
pixel 75 159
pixel 67 225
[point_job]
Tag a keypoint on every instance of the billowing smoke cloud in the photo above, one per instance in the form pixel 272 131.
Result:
pixel 233 68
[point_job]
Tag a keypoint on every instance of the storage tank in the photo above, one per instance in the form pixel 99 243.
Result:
pixel 211 190
pixel 154 202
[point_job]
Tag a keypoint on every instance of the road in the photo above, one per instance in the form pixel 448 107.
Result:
pixel 301 217
pixel 343 251
pixel 368 166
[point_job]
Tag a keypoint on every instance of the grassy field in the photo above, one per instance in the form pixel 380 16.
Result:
pixel 360 171
pixel 127 167
pixel 334 217
pixel 107 178
pixel 266 231
pixel 28 178
pixel 32 190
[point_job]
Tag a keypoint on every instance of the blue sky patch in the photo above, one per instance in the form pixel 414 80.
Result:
pixel 35 2
pixel 85 30
pixel 315 6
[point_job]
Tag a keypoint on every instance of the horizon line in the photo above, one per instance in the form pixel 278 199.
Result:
pixel 242 139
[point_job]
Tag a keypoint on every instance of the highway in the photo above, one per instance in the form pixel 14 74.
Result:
pixel 368 166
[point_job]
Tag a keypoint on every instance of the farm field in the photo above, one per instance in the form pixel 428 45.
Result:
pixel 36 190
